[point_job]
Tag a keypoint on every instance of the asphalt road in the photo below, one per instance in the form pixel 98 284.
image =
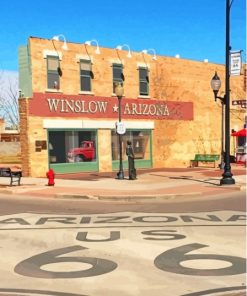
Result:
pixel 73 247
pixel 11 204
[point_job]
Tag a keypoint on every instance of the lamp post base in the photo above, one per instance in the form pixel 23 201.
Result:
pixel 227 177
pixel 227 181
pixel 120 175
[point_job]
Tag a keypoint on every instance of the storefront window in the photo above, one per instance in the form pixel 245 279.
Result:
pixel 140 142
pixel 72 146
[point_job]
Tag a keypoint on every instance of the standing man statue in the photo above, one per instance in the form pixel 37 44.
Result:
pixel 131 161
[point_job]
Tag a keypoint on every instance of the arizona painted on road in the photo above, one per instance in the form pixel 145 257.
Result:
pixel 123 253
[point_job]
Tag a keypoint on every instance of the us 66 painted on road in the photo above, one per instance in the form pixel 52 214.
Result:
pixel 170 260
pixel 88 253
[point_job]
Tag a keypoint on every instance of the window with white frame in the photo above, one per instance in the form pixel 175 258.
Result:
pixel 86 75
pixel 143 81
pixel 118 76
pixel 53 81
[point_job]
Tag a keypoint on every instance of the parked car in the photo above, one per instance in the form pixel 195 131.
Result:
pixel 86 152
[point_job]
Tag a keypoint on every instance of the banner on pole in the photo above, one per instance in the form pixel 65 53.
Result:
pixel 236 63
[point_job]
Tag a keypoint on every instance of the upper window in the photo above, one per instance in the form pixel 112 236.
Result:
pixel 53 72
pixel 86 75
pixel 143 81
pixel 118 76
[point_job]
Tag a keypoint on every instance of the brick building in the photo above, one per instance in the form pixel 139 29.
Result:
pixel 8 135
pixel 68 100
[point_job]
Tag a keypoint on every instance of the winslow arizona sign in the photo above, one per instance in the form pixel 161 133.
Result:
pixel 58 105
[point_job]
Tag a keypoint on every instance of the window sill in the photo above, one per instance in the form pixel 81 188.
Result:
pixel 114 95
pixel 144 97
pixel 86 93
pixel 52 90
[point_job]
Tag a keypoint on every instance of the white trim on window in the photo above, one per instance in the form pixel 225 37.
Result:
pixel 116 61
pixel 53 90
pixel 144 97
pixel 143 65
pixel 79 57
pixel 91 93
pixel 47 52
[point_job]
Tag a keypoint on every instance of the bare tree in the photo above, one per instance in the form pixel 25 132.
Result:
pixel 9 94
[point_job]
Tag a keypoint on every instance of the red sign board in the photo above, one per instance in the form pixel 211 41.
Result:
pixel 59 105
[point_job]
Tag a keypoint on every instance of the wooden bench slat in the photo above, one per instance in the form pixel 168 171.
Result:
pixel 204 158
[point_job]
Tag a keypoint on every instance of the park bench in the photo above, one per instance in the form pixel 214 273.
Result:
pixel 204 158
pixel 15 176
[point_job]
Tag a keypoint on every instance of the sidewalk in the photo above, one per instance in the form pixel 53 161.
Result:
pixel 154 184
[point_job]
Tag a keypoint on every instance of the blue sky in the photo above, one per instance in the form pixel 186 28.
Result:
pixel 194 29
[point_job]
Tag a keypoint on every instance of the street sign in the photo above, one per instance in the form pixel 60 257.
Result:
pixel 241 103
pixel 235 63
pixel 121 129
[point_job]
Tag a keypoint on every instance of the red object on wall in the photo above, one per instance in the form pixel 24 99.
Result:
pixel 241 133
pixel 51 176
pixel 241 156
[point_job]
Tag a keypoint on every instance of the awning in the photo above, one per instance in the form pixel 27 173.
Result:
pixel 241 133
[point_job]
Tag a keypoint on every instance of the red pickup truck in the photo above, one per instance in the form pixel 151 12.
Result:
pixel 86 152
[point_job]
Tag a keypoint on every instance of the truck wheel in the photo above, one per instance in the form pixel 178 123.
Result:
pixel 78 158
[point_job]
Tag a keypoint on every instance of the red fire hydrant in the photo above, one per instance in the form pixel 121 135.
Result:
pixel 51 176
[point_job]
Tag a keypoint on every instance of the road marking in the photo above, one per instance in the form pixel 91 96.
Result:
pixel 123 253
pixel 27 292
pixel 128 219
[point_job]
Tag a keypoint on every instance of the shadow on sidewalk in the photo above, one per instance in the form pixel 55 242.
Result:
pixel 197 180
pixel 190 178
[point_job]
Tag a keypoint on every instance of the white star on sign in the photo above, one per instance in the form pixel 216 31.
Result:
pixel 115 108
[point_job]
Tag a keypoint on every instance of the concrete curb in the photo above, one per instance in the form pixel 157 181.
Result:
pixel 114 196
pixel 20 189
pixel 240 187
pixel 156 197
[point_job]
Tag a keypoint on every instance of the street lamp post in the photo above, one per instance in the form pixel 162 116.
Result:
pixel 119 94
pixel 215 83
